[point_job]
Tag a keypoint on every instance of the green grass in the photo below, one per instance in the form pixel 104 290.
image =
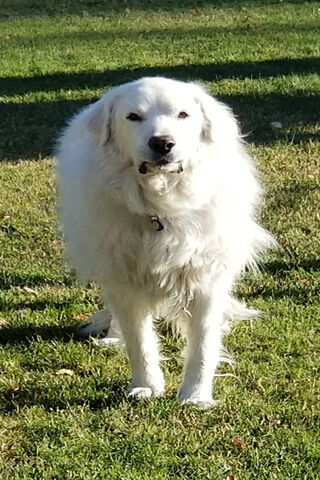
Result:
pixel 262 58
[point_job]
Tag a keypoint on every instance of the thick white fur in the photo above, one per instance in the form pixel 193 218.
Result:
pixel 186 271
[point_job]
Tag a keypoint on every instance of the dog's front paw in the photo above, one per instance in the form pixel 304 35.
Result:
pixel 201 404
pixel 145 392
pixel 140 392
pixel 196 398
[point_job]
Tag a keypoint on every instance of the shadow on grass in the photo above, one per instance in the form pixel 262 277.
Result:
pixel 302 289
pixel 56 393
pixel 141 37
pixel 205 72
pixel 28 279
pixel 301 294
pixel 280 268
pixel 35 8
pixel 94 392
pixel 26 334
pixel 29 131
pixel 292 193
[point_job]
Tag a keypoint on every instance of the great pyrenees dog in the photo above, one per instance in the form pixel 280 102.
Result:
pixel 158 203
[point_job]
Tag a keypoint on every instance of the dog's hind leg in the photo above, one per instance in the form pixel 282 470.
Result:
pixel 103 327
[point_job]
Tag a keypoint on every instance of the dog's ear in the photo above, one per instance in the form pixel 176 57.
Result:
pixel 219 123
pixel 100 117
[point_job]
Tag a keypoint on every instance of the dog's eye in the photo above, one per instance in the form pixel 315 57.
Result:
pixel 183 115
pixel 134 117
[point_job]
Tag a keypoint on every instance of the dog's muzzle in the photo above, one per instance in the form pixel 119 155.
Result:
pixel 167 167
pixel 161 158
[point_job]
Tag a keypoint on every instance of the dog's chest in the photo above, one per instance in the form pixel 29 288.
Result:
pixel 162 257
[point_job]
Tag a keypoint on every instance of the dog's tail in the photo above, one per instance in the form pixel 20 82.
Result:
pixel 237 311
pixel 261 241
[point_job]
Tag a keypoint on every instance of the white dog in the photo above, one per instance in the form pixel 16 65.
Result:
pixel 158 205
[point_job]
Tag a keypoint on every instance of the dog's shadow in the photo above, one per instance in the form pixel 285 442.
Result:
pixel 51 390
pixel 26 334
pixel 96 393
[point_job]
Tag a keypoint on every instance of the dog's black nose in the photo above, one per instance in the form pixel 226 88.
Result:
pixel 162 144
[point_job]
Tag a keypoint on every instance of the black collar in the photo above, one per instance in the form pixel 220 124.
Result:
pixel 157 226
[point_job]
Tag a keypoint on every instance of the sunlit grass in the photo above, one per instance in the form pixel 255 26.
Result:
pixel 64 410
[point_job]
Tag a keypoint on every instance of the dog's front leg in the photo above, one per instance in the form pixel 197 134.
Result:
pixel 143 351
pixel 203 348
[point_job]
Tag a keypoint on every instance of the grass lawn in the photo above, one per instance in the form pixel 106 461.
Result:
pixel 63 407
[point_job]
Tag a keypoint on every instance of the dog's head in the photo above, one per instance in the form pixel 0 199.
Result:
pixel 160 125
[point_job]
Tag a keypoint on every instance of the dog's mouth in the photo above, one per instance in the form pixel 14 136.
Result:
pixel 162 165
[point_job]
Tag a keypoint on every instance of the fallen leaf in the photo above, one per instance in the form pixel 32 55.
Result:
pixel 29 290
pixel 3 323
pixel 57 244
pixel 275 125
pixel 65 371
pixel 14 388
pixel 82 316
pixel 239 443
